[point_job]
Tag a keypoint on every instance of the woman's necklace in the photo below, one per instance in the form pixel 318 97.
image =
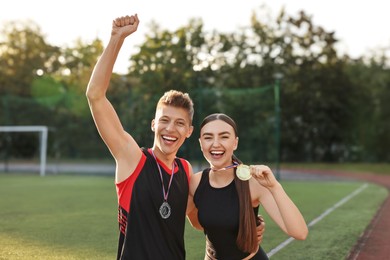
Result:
pixel 243 171
pixel 235 164
pixel 165 208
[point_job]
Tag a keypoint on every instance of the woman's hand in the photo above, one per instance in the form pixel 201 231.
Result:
pixel 263 175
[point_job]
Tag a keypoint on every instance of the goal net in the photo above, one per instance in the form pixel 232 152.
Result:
pixel 43 133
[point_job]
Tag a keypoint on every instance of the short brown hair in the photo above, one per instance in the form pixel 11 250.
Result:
pixel 178 99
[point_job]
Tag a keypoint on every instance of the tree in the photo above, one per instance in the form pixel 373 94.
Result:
pixel 24 53
pixel 316 93
pixel 369 135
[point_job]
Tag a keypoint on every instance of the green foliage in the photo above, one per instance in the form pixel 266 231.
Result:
pixel 45 85
pixel 333 109
pixel 47 91
pixel 23 53
pixel 370 134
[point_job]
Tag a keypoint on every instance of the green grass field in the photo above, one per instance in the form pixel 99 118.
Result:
pixel 75 217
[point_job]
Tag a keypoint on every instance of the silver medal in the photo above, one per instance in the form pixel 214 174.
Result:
pixel 165 210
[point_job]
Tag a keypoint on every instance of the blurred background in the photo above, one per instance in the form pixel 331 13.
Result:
pixel 305 82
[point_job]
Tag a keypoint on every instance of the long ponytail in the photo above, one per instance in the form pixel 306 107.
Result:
pixel 247 235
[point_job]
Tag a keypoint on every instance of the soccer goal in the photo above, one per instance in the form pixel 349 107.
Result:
pixel 43 133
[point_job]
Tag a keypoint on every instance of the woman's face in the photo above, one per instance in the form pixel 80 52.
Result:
pixel 218 142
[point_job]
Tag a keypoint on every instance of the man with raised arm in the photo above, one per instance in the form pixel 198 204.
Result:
pixel 152 183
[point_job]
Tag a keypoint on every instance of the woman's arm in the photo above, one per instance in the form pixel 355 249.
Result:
pixel 278 204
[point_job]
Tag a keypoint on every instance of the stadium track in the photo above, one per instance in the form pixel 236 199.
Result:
pixel 374 242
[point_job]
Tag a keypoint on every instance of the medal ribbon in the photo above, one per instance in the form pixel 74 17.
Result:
pixel 161 177
pixel 235 164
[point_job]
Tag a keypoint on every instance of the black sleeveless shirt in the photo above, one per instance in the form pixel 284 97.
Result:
pixel 144 234
pixel 218 213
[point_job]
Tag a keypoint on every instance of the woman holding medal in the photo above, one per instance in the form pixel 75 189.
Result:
pixel 152 183
pixel 227 196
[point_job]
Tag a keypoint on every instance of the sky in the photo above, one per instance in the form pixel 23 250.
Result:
pixel 361 26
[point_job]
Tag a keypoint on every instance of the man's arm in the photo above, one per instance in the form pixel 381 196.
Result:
pixel 122 146
pixel 192 210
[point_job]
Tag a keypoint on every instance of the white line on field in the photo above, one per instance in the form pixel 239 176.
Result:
pixel 313 222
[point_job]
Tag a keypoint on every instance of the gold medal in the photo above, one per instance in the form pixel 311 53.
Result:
pixel 243 172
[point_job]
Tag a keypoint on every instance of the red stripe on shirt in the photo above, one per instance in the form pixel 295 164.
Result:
pixel 124 188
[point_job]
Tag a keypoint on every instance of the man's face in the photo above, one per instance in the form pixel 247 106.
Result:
pixel 171 126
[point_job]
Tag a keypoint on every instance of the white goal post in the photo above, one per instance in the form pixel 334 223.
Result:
pixel 43 132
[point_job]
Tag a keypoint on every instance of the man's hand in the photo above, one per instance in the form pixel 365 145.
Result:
pixel 125 25
pixel 260 228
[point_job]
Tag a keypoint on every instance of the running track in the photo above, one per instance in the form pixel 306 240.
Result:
pixel 374 244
